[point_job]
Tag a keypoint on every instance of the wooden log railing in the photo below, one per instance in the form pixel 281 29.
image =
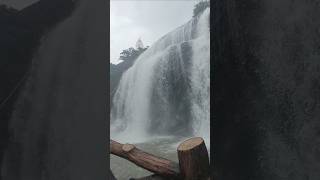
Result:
pixel 145 160
pixel 192 154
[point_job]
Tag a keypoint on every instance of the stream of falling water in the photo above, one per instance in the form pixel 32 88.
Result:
pixel 164 97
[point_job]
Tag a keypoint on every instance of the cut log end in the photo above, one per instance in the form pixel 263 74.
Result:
pixel 128 147
pixel 190 144
pixel 193 159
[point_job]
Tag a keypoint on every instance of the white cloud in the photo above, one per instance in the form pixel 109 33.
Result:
pixel 131 19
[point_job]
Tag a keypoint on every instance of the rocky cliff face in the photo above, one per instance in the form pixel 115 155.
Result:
pixel 116 72
pixel 266 89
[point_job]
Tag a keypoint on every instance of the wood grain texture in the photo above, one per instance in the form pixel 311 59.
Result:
pixel 193 159
pixel 157 165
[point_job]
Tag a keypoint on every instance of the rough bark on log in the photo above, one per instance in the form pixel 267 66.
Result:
pixel 193 159
pixel 145 160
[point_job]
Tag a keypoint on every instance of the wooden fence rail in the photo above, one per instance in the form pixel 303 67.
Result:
pixel 192 154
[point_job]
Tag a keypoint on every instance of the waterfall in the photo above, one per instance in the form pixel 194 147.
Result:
pixel 59 118
pixel 200 80
pixel 167 90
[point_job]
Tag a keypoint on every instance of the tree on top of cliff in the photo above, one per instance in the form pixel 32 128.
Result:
pixel 131 53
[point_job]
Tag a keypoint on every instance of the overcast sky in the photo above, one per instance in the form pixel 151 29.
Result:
pixel 148 19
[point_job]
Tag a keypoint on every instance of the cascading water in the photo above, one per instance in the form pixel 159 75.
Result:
pixel 167 90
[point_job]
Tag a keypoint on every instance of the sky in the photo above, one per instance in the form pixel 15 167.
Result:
pixel 145 19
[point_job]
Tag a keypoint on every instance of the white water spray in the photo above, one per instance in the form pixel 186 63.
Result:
pixel 167 90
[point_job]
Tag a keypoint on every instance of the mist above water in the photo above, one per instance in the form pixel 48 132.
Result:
pixel 167 90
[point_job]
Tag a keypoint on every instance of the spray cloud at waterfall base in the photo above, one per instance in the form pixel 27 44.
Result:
pixel 166 93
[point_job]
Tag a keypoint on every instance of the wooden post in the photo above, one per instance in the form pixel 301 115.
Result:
pixel 145 160
pixel 193 159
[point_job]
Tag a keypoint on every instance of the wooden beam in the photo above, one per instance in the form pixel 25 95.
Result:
pixel 157 165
